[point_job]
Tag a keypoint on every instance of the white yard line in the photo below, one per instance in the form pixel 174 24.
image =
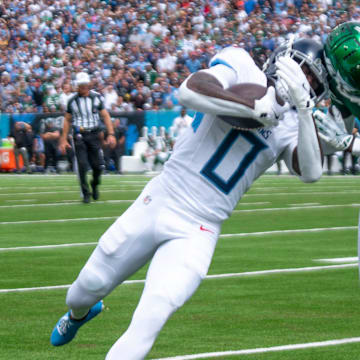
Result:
pixel 344 228
pixel 297 208
pixel 68 191
pixel 305 204
pixel 302 193
pixel 339 260
pixel 253 203
pixel 306 193
pixel 19 200
pixel 266 349
pixel 219 276
pixel 261 233
pixel 75 186
pixel 129 201
pixel 41 247
pixel 56 220
pixel 66 202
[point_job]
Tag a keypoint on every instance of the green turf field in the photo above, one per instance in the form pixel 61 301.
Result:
pixel 310 301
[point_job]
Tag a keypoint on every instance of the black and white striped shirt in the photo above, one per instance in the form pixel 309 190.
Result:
pixel 85 110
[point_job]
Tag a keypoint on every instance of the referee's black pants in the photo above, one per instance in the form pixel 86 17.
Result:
pixel 88 152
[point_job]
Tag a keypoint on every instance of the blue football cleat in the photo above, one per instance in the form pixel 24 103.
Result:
pixel 66 328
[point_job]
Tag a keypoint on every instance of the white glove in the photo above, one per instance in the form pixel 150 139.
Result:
pixel 267 110
pixel 299 89
pixel 331 129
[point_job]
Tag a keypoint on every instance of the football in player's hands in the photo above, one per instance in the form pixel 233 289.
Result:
pixel 251 92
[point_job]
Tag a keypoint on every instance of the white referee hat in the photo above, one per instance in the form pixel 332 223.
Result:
pixel 82 78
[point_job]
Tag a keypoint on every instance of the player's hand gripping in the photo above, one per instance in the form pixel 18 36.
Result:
pixel 299 88
pixel 267 110
pixel 331 129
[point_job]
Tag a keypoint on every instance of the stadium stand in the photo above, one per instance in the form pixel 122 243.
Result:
pixel 138 52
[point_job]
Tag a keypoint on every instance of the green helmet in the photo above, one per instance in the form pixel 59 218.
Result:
pixel 342 58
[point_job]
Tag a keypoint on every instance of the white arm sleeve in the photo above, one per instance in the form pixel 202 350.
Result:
pixel 308 149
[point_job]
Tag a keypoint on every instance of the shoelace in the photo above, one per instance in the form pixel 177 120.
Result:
pixel 64 325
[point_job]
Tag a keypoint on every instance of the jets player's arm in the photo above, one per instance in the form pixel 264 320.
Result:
pixel 354 147
pixel 205 91
pixel 334 133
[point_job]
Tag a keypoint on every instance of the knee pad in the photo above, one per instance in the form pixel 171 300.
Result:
pixel 175 291
pixel 93 280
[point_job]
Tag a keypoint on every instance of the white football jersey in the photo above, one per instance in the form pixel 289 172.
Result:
pixel 213 164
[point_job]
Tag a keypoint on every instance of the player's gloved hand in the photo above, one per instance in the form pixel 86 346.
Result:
pixel 267 110
pixel 299 89
pixel 331 129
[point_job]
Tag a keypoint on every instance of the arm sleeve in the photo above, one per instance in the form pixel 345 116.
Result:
pixel 302 151
pixel 308 149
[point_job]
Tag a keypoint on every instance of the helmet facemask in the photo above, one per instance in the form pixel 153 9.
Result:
pixel 311 63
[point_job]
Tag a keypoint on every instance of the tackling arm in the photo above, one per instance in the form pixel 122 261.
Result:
pixel 333 132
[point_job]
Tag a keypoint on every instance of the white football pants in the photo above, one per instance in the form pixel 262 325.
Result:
pixel 181 247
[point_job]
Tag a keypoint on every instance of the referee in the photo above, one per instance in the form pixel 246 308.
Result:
pixel 83 116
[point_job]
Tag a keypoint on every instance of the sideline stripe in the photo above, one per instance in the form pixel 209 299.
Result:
pixel 265 350
pixel 219 276
pixel 344 228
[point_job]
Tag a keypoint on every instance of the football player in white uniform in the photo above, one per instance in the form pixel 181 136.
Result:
pixel 177 219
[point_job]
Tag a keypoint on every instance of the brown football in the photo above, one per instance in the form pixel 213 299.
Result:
pixel 248 91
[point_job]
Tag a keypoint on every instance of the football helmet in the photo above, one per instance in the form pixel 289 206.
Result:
pixel 342 59
pixel 306 52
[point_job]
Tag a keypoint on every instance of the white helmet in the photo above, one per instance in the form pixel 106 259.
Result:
pixel 82 78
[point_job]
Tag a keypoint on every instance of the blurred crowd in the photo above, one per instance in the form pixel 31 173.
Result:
pixel 138 52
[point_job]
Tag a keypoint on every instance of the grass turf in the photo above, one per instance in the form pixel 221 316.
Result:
pixel 225 314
